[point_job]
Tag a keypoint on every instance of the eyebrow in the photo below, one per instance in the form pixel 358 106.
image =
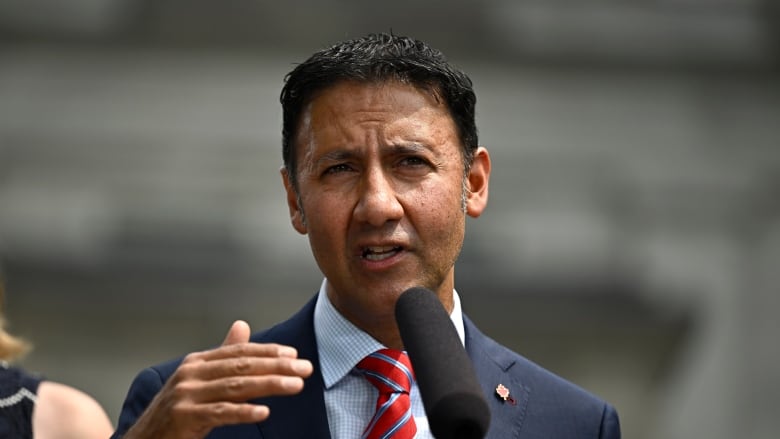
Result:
pixel 335 156
pixel 397 148
pixel 408 147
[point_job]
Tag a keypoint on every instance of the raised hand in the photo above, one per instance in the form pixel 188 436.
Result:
pixel 211 388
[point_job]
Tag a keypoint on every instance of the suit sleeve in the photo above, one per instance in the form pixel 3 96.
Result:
pixel 610 424
pixel 142 391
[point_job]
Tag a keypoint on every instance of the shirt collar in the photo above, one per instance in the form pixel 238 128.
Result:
pixel 341 345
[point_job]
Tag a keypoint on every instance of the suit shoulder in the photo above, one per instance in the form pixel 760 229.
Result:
pixel 542 380
pixel 550 398
pixel 531 373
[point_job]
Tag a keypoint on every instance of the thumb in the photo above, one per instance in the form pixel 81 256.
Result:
pixel 239 333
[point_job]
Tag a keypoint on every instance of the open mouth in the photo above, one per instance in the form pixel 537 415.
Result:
pixel 380 253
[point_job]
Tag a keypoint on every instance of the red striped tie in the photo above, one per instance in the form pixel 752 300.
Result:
pixel 390 371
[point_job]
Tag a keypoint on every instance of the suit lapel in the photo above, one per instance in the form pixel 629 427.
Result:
pixel 493 364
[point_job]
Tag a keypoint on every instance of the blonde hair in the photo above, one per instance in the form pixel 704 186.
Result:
pixel 11 348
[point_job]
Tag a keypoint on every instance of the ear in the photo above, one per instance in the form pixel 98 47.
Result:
pixel 477 183
pixel 296 213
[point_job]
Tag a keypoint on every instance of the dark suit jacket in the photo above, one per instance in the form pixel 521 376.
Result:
pixel 546 406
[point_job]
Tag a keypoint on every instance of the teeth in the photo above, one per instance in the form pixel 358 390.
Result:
pixel 380 249
pixel 379 253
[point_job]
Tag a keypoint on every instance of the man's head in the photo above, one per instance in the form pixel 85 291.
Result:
pixel 378 174
pixel 378 58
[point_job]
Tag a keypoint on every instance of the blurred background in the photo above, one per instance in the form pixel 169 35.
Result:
pixel 631 243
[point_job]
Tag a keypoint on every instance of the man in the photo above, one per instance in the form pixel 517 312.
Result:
pixel 381 168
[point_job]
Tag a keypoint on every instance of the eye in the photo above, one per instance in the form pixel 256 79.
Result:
pixel 336 169
pixel 413 161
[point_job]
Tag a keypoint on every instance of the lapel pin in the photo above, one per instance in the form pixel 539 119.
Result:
pixel 503 393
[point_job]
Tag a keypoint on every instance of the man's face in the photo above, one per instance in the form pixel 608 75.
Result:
pixel 381 194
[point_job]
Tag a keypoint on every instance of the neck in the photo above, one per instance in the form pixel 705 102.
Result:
pixel 377 317
pixel 389 337
pixel 383 327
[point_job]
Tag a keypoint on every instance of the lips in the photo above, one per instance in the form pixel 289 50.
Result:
pixel 379 253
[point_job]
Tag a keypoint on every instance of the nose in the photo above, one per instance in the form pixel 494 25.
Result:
pixel 378 200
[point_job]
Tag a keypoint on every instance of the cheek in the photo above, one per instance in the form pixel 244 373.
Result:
pixel 325 218
pixel 440 210
pixel 441 198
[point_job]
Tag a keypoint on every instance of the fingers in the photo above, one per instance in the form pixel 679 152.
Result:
pixel 211 388
pixel 203 417
pixel 244 365
pixel 240 389
pixel 166 419
pixel 245 349
pixel 239 333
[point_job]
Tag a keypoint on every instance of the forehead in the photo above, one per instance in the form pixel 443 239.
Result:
pixel 387 103
pixel 380 95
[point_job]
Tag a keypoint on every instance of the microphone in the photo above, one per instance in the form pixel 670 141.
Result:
pixel 453 400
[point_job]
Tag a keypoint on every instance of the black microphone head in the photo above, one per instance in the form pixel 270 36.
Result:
pixel 453 400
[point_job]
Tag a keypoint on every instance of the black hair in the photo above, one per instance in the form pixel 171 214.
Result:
pixel 378 58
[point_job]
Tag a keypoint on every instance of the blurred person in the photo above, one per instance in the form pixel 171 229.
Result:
pixel 382 166
pixel 33 407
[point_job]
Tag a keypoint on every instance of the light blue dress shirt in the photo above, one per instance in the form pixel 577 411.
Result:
pixel 350 400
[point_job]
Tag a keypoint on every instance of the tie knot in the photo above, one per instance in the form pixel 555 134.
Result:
pixel 389 370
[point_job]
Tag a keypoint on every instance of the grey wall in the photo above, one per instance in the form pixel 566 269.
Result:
pixel 630 243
